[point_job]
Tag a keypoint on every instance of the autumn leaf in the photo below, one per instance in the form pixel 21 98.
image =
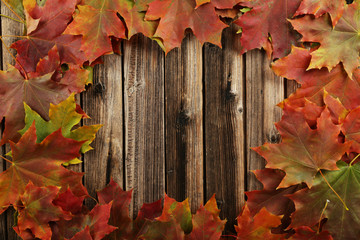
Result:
pixel 170 230
pixel 96 221
pixel 207 223
pixel 120 208
pixel 313 82
pixel 64 116
pixel 337 109
pixel 178 15
pixel 257 227
pixel 220 4
pixel 310 203
pixel 37 211
pixel 338 44
pixel 52 20
pixel 147 213
pixel 303 151
pixel 320 7
pixel 259 24
pixel 177 211
pixel 83 235
pixel 69 202
pixel 38 90
pixel 40 163
pixel 351 129
pixel 306 233
pixel 279 204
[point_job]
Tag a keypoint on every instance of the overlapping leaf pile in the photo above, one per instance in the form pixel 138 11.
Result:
pixel 311 181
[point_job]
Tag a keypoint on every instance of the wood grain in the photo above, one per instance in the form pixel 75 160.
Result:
pixel 103 102
pixel 224 125
pixel 144 120
pixel 184 122
pixel 263 91
pixel 9 27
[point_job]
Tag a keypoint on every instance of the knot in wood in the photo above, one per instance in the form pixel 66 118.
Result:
pixel 99 88
pixel 183 119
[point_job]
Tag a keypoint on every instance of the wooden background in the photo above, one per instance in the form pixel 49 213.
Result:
pixel 181 124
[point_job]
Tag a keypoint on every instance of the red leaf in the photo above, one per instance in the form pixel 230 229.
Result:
pixel 52 18
pixel 178 15
pixel 38 211
pixel 259 23
pixel 119 210
pixel 207 223
pixel 303 151
pixel 338 44
pixel 257 227
pixel 314 81
pixel 40 163
pixel 38 92
pixel 97 222
pixel 320 7
pixel 306 233
pixel 69 202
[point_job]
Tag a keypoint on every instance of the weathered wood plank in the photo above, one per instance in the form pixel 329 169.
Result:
pixel 103 102
pixel 263 91
pixel 224 125
pixel 9 27
pixel 144 120
pixel 184 122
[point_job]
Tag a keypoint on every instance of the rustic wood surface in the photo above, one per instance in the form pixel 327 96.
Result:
pixel 181 123
pixel 224 125
pixel 184 122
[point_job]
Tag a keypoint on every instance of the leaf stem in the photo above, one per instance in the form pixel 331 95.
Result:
pixel 343 202
pixel 322 213
pixel 6 159
pixel 354 160
pixel 7 5
pixel 8 50
pixel 2 15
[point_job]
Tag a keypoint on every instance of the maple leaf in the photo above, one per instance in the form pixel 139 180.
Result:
pixel 178 15
pixel 37 91
pixel 206 222
pixel 303 151
pixel 259 23
pixel 51 22
pixel 320 7
pixel 306 233
pixel 257 227
pixel 220 4
pixel 314 82
pixel 280 204
pixel 336 108
pixel 97 21
pixel 147 213
pixel 120 209
pixel 177 211
pixel 170 230
pixel 66 116
pixel 37 211
pixel 40 163
pixel 69 202
pixel 338 44
pixel 83 235
pixel 310 203
pixel 351 129
pixel 96 221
